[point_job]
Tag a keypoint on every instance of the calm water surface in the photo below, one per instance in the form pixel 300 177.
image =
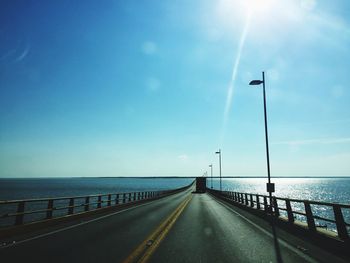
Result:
pixel 60 187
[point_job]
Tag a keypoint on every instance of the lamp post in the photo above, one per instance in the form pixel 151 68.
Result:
pixel 270 187
pixel 219 153
pixel 211 173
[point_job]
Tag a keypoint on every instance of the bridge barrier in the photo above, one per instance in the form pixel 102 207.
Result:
pixel 295 211
pixel 22 212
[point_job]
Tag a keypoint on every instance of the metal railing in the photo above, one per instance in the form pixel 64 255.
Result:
pixel 293 210
pixel 32 210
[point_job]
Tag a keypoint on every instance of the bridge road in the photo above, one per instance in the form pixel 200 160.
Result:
pixel 202 229
pixel 210 230
pixel 105 239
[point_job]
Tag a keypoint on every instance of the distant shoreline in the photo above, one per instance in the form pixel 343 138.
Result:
pixel 180 177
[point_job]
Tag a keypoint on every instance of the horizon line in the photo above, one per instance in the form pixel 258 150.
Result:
pixel 179 176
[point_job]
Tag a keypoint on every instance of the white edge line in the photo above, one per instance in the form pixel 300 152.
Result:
pixel 280 241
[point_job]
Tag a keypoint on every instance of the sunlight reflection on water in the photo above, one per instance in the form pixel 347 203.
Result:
pixel 316 189
pixel 333 190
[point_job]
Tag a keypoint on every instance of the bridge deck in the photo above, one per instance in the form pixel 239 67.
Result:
pixel 183 227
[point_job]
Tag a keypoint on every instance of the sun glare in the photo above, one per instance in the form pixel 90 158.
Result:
pixel 262 7
pixel 232 11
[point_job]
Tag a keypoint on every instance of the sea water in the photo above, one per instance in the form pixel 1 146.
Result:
pixel 16 189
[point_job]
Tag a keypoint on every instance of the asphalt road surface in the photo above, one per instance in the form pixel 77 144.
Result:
pixel 184 227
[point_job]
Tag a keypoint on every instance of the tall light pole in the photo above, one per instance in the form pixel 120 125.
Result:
pixel 270 187
pixel 211 173
pixel 219 153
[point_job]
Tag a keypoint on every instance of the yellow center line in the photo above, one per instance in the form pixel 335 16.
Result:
pixel 144 251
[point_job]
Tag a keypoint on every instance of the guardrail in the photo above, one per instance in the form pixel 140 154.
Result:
pixel 293 210
pixel 33 210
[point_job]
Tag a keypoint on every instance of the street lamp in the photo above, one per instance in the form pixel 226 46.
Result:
pixel 219 153
pixel 270 187
pixel 211 172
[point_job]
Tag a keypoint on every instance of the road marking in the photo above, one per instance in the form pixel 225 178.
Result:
pixel 15 243
pixel 144 251
pixel 282 242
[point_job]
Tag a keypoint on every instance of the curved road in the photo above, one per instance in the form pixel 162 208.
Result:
pixel 183 227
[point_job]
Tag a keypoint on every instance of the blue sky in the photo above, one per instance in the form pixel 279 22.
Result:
pixel 129 88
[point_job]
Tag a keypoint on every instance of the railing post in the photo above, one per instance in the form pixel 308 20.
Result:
pixel 134 196
pixel 251 201
pixel 138 196
pixel 265 204
pixel 234 196
pixel 87 203
pixel 257 202
pixel 71 206
pixel 309 217
pixel 20 215
pixel 275 205
pixel 124 198
pixel 129 200
pixel 99 201
pixel 246 199
pixel 270 205
pixel 289 212
pixel 340 223
pixel 49 209
pixel 109 200
pixel 117 199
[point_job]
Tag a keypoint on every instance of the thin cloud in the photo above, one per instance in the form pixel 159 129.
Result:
pixel 22 55
pixel 230 91
pixel 315 141
pixel 183 157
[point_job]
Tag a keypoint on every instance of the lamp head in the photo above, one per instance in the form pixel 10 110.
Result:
pixel 256 82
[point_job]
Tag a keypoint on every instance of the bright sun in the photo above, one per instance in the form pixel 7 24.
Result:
pixel 261 10
pixel 261 7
